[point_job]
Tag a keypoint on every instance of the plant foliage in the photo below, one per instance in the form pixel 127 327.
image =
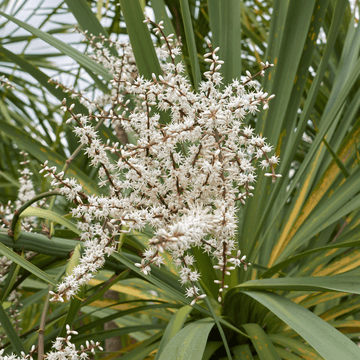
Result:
pixel 298 299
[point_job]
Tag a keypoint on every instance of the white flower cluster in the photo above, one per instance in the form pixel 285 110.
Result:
pixel 64 349
pixel 184 177
pixel 26 193
pixel 6 214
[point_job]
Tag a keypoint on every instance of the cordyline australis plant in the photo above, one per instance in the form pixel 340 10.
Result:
pixel 183 178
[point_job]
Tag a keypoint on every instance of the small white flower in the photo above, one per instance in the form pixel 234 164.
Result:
pixel 189 197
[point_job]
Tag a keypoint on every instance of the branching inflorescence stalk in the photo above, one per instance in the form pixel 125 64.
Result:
pixel 185 179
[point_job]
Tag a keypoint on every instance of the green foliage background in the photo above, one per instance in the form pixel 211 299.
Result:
pixel 298 299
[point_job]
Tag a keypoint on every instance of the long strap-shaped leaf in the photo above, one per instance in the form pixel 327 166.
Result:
pixel 85 17
pixel 88 20
pixel 283 264
pixel 58 247
pixel 7 286
pixel 176 323
pixel 142 46
pixel 63 47
pixel 43 153
pixel 142 350
pixel 159 9
pixel 294 33
pixel 341 283
pixel 50 215
pixel 285 145
pixel 26 264
pixel 117 332
pixel 133 310
pixel 75 303
pixel 314 158
pixel 282 195
pixel 171 289
pixel 329 342
pixel 190 41
pixel 10 332
pixel 141 43
pixel 343 202
pixel 41 77
pixel 190 342
pixel 295 346
pixel 226 29
pixel 311 161
pixel 242 352
pixel 262 343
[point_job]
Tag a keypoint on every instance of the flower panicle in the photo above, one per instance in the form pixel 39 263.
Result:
pixel 63 348
pixel 185 178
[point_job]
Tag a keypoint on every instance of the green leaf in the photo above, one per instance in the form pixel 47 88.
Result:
pixel 211 347
pixel 79 339
pixel 40 77
pixel 17 230
pixel 85 17
pixel 338 162
pixel 312 154
pixel 283 264
pixel 26 264
pixel 142 46
pixel 175 293
pixel 327 341
pixel 9 178
pixel 242 352
pixel 166 283
pixel 287 355
pixel 205 265
pixel 341 203
pixel 191 44
pixel 76 302
pixel 293 36
pixel 226 29
pixel 262 343
pixel 141 351
pixel 106 286
pixel 295 346
pixel 88 20
pixel 43 153
pixel 341 283
pixel 58 247
pixel 113 317
pixel 74 260
pixel 190 342
pixel 10 332
pixel 10 281
pixel 176 323
pixel 217 322
pixel 160 15
pixel 215 19
pixel 50 215
pixel 63 48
